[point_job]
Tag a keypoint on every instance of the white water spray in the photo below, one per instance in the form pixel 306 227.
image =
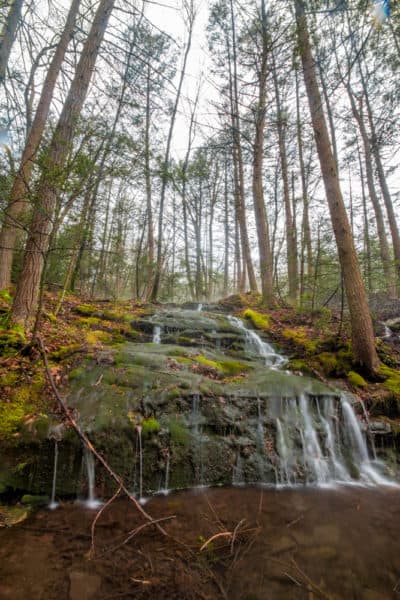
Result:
pixel 157 335
pixel 53 504
pixel 91 502
pixel 257 345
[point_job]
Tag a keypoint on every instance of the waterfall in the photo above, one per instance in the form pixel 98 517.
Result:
pixel 157 335
pixel 199 307
pixel 140 447
pixel 309 443
pixel 53 504
pixel 92 501
pixel 255 344
pixel 165 490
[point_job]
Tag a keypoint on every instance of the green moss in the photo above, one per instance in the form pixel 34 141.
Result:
pixel 300 365
pixel 12 414
pixel 173 394
pixel 11 340
pixel 178 433
pixel 259 320
pixel 356 379
pixel 89 320
pixel 329 362
pixel 97 336
pixel 86 309
pixel 226 367
pixel 392 379
pixel 300 338
pixel 5 296
pixel 32 500
pixel 76 373
pixel 150 426
pixel 65 351
pixel 8 379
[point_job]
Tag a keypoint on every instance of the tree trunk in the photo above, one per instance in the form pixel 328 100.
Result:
pixel 291 242
pixel 380 224
pixel 165 166
pixel 8 34
pixel 264 244
pixel 394 230
pixel 26 296
pixel 18 200
pixel 362 331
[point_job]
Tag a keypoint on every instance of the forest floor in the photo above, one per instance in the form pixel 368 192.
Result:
pixel 317 344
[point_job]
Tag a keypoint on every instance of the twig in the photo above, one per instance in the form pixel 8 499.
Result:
pixel 310 582
pixel 295 521
pixel 234 534
pixel 91 552
pixel 88 443
pixel 214 537
pixel 137 529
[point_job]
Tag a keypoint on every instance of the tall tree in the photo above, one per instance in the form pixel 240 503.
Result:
pixel 263 237
pixel 362 331
pixel 25 301
pixel 7 35
pixel 18 200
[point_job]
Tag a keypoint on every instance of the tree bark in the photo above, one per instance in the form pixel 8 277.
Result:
pixel 8 34
pixel 363 344
pixel 165 166
pixel 264 243
pixel 380 224
pixel 18 200
pixel 291 242
pixel 25 300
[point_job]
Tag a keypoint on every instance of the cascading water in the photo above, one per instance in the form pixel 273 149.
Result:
pixel 53 504
pixel 92 501
pixel 199 307
pixel 140 453
pixel 311 448
pixel 256 345
pixel 157 335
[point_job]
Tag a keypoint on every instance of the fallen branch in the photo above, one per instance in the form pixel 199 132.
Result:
pixel 97 517
pixel 88 444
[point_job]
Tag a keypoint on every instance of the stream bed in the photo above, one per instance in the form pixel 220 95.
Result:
pixel 270 543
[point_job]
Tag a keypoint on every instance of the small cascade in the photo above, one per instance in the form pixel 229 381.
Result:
pixel 92 501
pixel 53 504
pixel 157 335
pixel 237 475
pixel 196 420
pixel 387 332
pixel 256 345
pixel 139 448
pixel 166 490
pixel 199 307
pixel 311 448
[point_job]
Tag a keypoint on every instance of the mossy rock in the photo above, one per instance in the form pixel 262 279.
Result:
pixel 86 309
pixel 178 432
pixel 299 337
pixel 392 379
pixel 226 367
pixel 33 500
pixel 328 362
pixel 11 340
pixel 66 351
pixel 259 320
pixel 150 426
pixel 356 379
pixel 98 336
pixel 296 364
